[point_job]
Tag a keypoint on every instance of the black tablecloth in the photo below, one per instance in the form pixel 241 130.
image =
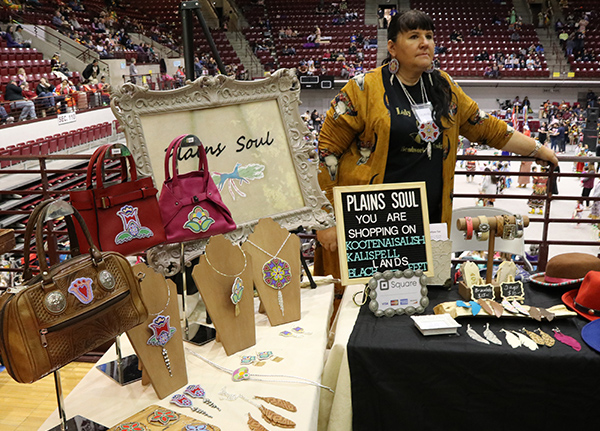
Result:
pixel 402 380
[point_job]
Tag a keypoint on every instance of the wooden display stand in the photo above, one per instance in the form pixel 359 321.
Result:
pixel 269 236
pixel 461 224
pixel 155 290
pixel 234 332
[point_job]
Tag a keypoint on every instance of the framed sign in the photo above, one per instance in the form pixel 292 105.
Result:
pixel 398 292
pixel 255 142
pixel 382 227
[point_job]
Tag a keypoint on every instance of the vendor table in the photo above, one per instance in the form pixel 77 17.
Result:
pixel 104 401
pixel 400 378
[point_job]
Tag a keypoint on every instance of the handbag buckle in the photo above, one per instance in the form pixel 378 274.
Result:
pixel 105 202
pixel 195 199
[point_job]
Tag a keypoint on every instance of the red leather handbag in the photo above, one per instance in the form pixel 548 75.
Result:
pixel 122 217
pixel 190 204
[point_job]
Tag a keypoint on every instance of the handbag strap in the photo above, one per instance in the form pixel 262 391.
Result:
pixel 95 254
pixel 172 149
pixel 202 161
pixel 122 149
pixel 31 223
pixel 97 165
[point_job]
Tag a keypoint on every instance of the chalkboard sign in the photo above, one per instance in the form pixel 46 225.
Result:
pixel 512 289
pixel 382 227
pixel 485 291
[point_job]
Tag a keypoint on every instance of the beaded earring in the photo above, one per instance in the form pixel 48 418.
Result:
pixel 393 66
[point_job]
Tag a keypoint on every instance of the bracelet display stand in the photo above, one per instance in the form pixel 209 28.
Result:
pixel 76 423
pixel 496 226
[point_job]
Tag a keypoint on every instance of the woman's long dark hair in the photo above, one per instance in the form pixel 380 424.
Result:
pixel 440 91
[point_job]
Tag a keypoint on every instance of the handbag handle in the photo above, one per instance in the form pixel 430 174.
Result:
pixel 169 154
pixel 74 242
pixel 41 213
pixel 173 151
pixel 124 157
pixel 97 159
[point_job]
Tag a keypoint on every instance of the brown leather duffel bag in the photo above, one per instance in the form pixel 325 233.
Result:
pixel 69 309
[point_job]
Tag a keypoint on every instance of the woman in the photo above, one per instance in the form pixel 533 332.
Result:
pixel 370 134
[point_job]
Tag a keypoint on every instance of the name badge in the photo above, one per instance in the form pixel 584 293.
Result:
pixel 423 112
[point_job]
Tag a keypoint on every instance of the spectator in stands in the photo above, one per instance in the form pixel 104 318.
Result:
pixel 59 22
pixel 591 98
pixel 75 24
pixel 570 45
pixel 21 76
pixel 14 94
pixel 352 49
pixel 370 113
pixel 60 69
pixel 133 72
pixel 4 117
pixel 288 50
pixel 515 36
pixel 198 68
pixel 477 30
pixel 491 71
pixel 18 36
pixel 9 36
pixel 91 72
pixel 456 36
pixel 563 37
pixel 179 76
pixel 45 92
pixel 326 55
pixel 67 92
pixel 360 55
pixel 104 89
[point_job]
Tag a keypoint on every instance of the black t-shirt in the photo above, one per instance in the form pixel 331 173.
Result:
pixel 407 155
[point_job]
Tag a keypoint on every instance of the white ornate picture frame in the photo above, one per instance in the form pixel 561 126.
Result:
pixel 256 143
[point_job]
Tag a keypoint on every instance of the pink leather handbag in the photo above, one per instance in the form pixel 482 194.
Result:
pixel 190 204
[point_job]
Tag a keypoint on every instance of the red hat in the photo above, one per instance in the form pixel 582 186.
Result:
pixel 586 300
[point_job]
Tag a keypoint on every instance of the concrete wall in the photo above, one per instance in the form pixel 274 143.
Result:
pixel 30 131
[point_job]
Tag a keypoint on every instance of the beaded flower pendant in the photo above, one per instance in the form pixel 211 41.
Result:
pixel 162 332
pixel 277 274
pixel 236 294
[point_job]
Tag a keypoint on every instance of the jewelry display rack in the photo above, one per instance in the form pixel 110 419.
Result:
pixel 508 227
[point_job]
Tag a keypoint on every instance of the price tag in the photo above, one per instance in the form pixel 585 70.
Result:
pixel 484 291
pixel 512 290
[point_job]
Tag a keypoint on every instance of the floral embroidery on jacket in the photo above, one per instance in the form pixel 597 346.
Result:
pixel 478 118
pixel 342 105
pixel 365 149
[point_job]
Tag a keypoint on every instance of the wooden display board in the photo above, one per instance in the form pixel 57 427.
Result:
pixel 234 332
pixel 382 227
pixel 156 296
pixel 269 236
pixel 142 418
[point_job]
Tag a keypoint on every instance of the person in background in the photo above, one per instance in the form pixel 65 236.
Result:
pixel 91 72
pixel 14 94
pixel 45 92
pixel 21 76
pixel 587 184
pixel 133 72
pixel 540 184
pixel 18 36
pixel 372 136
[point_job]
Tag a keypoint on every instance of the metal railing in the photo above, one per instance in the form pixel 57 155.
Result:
pixel 549 199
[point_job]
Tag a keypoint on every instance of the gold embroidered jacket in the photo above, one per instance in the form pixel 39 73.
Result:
pixel 354 140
